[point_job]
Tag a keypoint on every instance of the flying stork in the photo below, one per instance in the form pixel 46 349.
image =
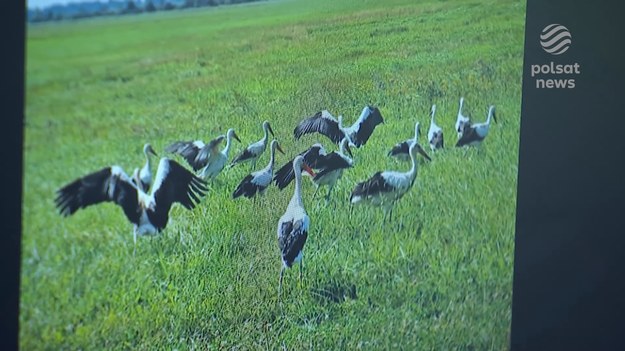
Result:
pixel 196 153
pixel 294 223
pixel 435 133
pixel 218 160
pixel 461 121
pixel 257 182
pixel 253 151
pixel 285 175
pixel 149 213
pixel 385 188
pixel 143 177
pixel 324 123
pixel 401 150
pixel 474 134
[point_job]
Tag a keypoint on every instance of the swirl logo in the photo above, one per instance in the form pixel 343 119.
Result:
pixel 555 39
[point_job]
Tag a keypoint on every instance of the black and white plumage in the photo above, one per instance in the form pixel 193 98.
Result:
pixel 435 133
pixel 331 166
pixel 253 152
pixel 216 162
pixel 324 123
pixel 461 121
pixel 285 175
pixel 401 150
pixel 474 134
pixel 149 213
pixel 383 189
pixel 143 177
pixel 294 224
pixel 196 153
pixel 257 182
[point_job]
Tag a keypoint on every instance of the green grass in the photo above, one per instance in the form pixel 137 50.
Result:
pixel 438 278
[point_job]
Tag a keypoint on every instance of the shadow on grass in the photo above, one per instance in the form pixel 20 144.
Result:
pixel 333 291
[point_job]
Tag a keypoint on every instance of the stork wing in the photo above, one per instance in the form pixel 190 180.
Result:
pixel 109 184
pixel 364 126
pixel 174 183
pixel 374 185
pixel 469 135
pixel 322 122
pixel 285 175
pixel 399 149
pixel 189 150
pixel 207 153
pixel 331 162
pixel 293 235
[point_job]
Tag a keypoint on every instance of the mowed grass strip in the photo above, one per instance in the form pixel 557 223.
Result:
pixel 438 278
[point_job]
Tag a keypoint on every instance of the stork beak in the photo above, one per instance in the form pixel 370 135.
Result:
pixel 495 116
pixel 280 149
pixel 308 170
pixel 151 151
pixel 270 130
pixel 349 150
pixel 423 153
pixel 234 135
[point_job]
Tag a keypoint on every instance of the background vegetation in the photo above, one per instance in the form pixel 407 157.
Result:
pixel 438 278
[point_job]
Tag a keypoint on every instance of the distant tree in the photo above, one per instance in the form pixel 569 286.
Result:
pixel 149 6
pixel 169 6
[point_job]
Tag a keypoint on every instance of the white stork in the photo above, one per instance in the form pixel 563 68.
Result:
pixel 331 167
pixel 401 150
pixel 257 182
pixel 324 123
pixel 217 161
pixel 285 175
pixel 149 213
pixel 385 188
pixel 294 223
pixel 196 153
pixel 253 151
pixel 474 134
pixel 461 121
pixel 143 177
pixel 435 133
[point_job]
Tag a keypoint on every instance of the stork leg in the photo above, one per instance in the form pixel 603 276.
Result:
pixel 134 237
pixel 301 270
pixel 329 192
pixel 315 193
pixel 280 282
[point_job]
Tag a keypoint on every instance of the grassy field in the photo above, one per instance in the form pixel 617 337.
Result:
pixel 438 278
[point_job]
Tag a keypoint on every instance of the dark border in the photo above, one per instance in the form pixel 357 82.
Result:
pixel 570 230
pixel 13 28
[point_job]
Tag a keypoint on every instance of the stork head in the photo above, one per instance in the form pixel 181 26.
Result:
pixel 345 146
pixel 267 127
pixel 232 134
pixel 414 148
pixel 299 165
pixel 491 112
pixel 148 150
pixel 276 145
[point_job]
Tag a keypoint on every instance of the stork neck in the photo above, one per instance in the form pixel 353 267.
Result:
pixel 460 108
pixel 265 134
pixel 412 173
pixel 490 115
pixel 296 200
pixel 272 158
pixel 228 142
pixel 147 159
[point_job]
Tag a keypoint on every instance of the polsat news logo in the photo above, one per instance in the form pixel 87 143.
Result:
pixel 555 39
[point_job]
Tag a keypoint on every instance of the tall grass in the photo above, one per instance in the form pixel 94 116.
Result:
pixel 438 278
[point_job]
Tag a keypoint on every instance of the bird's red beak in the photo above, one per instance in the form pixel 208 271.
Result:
pixel 308 170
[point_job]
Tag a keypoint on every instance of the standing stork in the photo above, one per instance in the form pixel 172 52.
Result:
pixel 473 135
pixel 285 175
pixel 218 161
pixel 294 223
pixel 196 153
pixel 435 133
pixel 257 182
pixel 253 151
pixel 149 213
pixel 401 150
pixel 331 167
pixel 324 123
pixel 385 188
pixel 461 121
pixel 143 177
